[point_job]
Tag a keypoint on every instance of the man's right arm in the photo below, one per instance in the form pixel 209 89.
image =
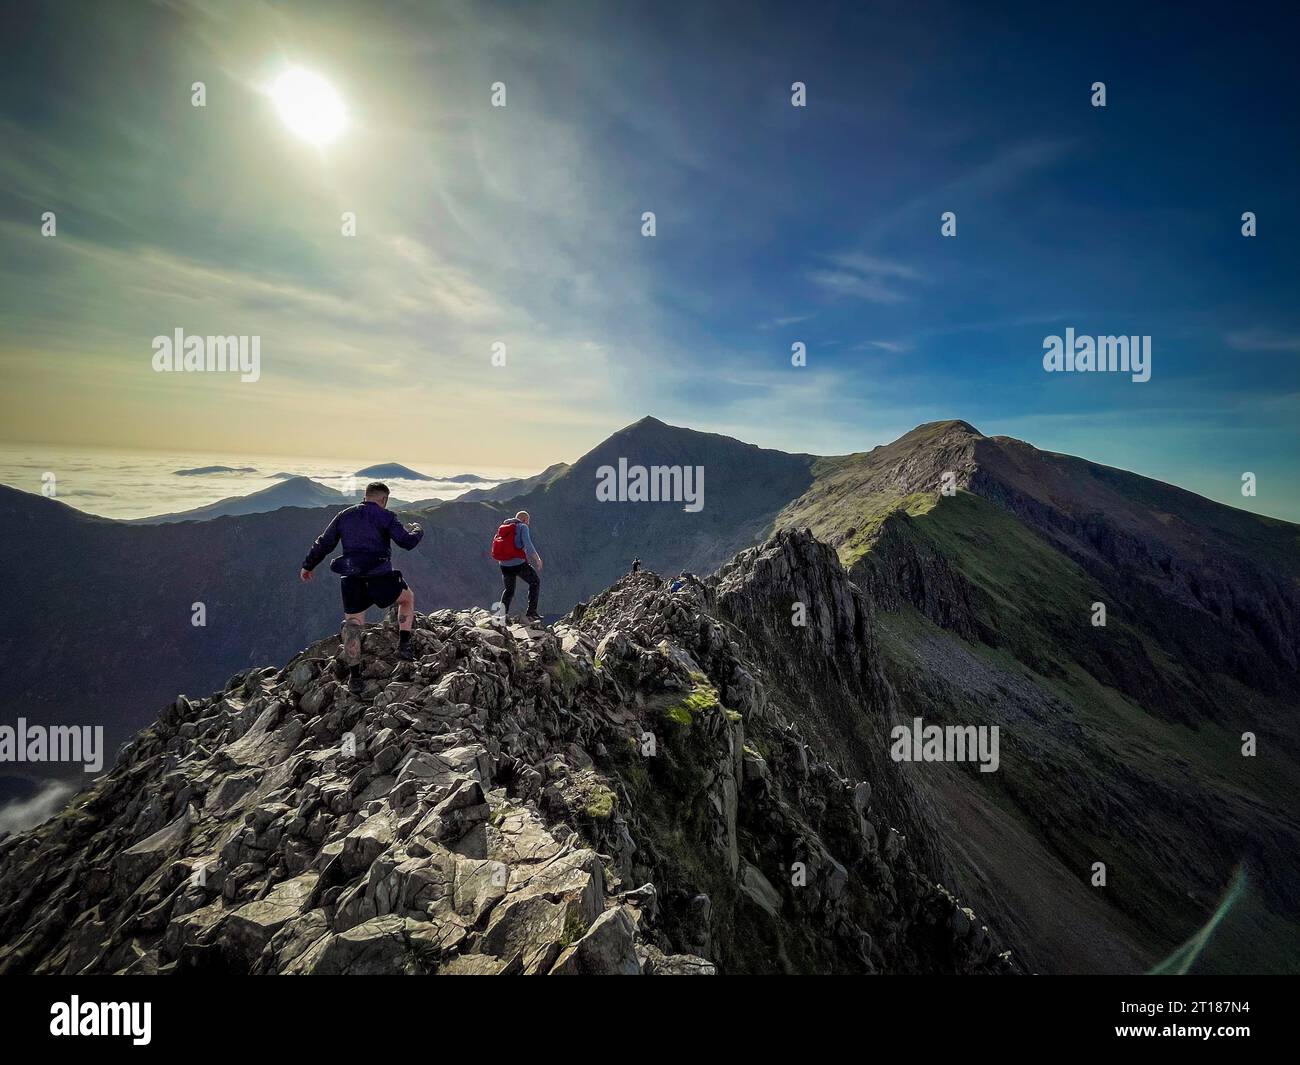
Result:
pixel 325 543
pixel 402 536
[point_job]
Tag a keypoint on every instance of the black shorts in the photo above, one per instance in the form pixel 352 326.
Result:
pixel 362 592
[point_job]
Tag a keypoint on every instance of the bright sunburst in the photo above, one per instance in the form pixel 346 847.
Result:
pixel 309 105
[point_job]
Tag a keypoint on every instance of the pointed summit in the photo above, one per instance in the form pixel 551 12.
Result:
pixel 649 428
pixel 948 425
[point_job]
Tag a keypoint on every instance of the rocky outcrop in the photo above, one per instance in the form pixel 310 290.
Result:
pixel 903 569
pixel 625 794
pixel 793 864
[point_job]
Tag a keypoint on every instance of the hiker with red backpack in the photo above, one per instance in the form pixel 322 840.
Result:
pixel 513 548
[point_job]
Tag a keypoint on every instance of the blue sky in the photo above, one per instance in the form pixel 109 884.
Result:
pixel 775 224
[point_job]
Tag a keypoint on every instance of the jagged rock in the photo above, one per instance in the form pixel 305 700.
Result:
pixel 191 928
pixel 759 889
pixel 292 941
pixel 531 929
pixel 301 676
pixel 607 949
pixel 365 843
pixel 444 768
pixel 249 929
pixel 138 861
pixel 479 885
pixel 455 815
pixel 230 789
pixel 699 924
pixel 656 963
pixel 381 945
pixel 474 965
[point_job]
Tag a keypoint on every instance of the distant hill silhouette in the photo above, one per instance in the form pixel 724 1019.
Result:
pixel 293 492
pixel 395 470
pixel 199 471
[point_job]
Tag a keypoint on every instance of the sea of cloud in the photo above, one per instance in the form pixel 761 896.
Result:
pixel 137 484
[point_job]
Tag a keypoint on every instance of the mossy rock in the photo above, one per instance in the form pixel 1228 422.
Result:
pixel 565 676
pixel 600 803
pixel 702 700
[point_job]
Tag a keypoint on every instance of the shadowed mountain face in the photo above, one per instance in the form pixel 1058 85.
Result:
pixel 1122 742
pixel 587 544
pixel 965 592
pixel 518 487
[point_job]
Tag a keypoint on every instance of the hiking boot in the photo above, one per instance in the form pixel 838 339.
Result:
pixel 533 619
pixel 356 685
pixel 406 654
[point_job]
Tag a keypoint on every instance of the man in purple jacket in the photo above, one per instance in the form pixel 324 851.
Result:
pixel 367 530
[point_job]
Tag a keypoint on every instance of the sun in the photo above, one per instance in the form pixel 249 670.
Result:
pixel 309 106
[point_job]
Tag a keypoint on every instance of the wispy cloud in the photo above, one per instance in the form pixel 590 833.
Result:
pixel 18 815
pixel 1007 169
pixel 788 320
pixel 866 277
pixel 1259 339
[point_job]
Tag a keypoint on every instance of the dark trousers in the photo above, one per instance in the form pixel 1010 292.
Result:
pixel 509 574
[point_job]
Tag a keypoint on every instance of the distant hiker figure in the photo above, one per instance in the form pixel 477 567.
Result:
pixel 513 548
pixel 636 565
pixel 367 530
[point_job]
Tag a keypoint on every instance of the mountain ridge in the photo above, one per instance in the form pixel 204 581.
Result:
pixel 978 593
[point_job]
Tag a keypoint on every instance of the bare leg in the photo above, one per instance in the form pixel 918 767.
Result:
pixel 351 636
pixel 406 610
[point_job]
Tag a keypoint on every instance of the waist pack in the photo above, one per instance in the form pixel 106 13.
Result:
pixel 357 565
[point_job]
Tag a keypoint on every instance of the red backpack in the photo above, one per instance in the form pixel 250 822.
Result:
pixel 503 544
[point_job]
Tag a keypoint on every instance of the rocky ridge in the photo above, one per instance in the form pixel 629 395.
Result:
pixel 630 792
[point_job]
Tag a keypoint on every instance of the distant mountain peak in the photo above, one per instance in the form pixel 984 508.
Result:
pixel 649 425
pixel 947 425
pixel 395 470
pixel 200 471
pixel 294 491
